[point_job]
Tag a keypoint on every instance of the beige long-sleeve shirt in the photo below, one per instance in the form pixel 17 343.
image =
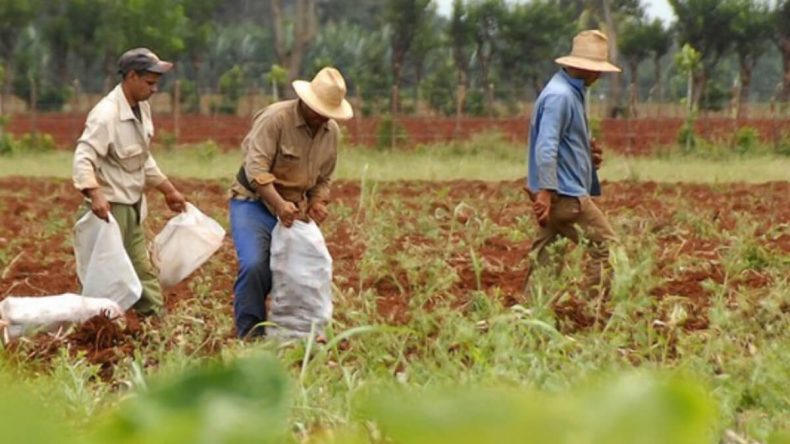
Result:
pixel 280 149
pixel 113 151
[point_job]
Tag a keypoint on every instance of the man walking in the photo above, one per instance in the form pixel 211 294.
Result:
pixel 563 160
pixel 289 158
pixel 113 164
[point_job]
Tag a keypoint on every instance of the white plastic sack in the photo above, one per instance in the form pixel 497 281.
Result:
pixel 24 315
pixel 103 266
pixel 301 280
pixel 184 244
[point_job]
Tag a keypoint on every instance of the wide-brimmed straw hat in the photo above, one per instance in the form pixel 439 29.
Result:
pixel 325 94
pixel 590 52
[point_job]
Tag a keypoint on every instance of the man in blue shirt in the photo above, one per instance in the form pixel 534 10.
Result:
pixel 563 159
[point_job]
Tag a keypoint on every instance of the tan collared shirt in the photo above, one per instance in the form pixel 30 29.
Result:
pixel 113 151
pixel 280 149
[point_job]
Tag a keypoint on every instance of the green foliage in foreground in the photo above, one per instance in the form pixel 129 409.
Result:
pixel 248 400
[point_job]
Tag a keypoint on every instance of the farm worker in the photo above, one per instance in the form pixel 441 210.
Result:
pixel 563 159
pixel 289 158
pixel 113 163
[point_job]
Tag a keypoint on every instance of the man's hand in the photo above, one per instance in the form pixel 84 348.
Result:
pixel 286 212
pixel 175 201
pixel 597 153
pixel 99 204
pixel 542 206
pixel 530 193
pixel 317 212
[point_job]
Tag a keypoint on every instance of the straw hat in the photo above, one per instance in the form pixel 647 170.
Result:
pixel 590 52
pixel 325 94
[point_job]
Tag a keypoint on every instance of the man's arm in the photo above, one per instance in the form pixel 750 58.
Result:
pixel 552 124
pixel 260 153
pixel 318 196
pixel 91 147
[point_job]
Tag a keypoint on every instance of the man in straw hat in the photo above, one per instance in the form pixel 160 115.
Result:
pixel 289 158
pixel 563 159
pixel 113 163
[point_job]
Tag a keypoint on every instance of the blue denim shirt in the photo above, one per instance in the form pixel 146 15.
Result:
pixel 559 145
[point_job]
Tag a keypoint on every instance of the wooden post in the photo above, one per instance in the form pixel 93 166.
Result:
pixel 177 110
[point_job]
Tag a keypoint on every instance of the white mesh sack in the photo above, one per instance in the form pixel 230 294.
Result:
pixel 24 315
pixel 103 266
pixel 184 244
pixel 301 280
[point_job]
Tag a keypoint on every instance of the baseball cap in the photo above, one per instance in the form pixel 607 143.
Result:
pixel 142 59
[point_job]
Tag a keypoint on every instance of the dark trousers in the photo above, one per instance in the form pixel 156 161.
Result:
pixel 251 226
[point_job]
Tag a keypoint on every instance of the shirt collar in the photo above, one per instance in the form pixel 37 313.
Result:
pixel 124 110
pixel 577 84
pixel 299 119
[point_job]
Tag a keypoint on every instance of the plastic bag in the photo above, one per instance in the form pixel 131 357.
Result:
pixel 23 315
pixel 301 280
pixel 184 244
pixel 103 266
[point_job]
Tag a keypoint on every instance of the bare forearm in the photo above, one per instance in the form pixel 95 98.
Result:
pixel 270 195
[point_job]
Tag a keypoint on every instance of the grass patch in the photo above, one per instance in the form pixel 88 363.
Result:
pixel 481 158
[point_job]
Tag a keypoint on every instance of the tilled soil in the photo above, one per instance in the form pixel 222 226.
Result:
pixel 695 227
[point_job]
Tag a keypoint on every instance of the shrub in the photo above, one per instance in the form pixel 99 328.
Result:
pixel 745 140
pixel 390 133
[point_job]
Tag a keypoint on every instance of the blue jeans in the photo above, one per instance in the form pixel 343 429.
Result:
pixel 251 225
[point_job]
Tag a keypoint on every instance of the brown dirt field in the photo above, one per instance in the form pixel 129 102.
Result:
pixel 637 136
pixel 37 214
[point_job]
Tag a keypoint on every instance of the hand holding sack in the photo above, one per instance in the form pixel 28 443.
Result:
pixel 301 298
pixel 185 243
pixel 103 267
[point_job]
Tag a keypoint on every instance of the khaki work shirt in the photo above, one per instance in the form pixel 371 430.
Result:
pixel 280 149
pixel 113 151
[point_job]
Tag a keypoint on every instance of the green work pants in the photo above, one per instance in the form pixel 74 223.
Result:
pixel 128 218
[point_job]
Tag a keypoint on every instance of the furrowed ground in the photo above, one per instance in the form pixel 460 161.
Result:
pixel 428 287
pixel 436 270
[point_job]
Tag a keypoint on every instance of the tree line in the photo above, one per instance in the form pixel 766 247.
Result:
pixel 399 56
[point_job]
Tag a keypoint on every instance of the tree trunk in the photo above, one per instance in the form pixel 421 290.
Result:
pixel 417 89
pixel 9 67
pixel 786 78
pixel 305 28
pixel 614 79
pixel 460 100
pixel 633 67
pixel 659 90
pixel 742 112
pixel 396 74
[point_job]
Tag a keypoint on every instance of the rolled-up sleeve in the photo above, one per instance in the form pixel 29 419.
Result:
pixel 153 175
pixel 556 112
pixel 260 150
pixel 92 145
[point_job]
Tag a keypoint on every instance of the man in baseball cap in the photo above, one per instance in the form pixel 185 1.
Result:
pixel 142 60
pixel 113 164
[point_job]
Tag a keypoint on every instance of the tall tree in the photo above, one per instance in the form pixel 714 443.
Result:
pixel 462 40
pixel 130 24
pixel 782 39
pixel 534 34
pixel 404 18
pixel 635 35
pixel 705 25
pixel 659 43
pixel 293 33
pixel 15 16
pixel 200 29
pixel 426 40
pixel 487 17
pixel 751 33
pixel 607 14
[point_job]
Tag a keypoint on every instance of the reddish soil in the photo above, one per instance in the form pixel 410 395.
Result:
pixel 36 239
pixel 637 136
